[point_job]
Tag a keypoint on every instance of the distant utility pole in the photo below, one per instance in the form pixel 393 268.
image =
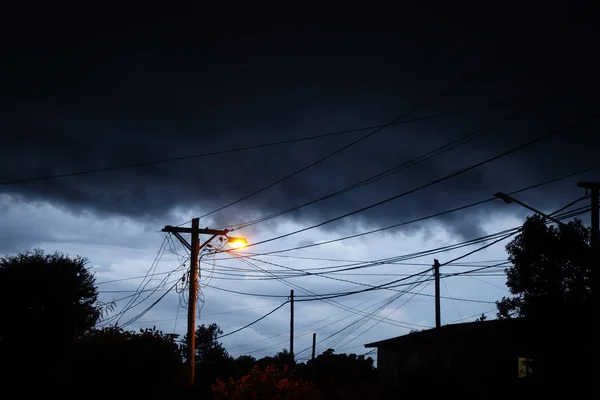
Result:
pixel 314 346
pixel 292 323
pixel 194 248
pixel 436 274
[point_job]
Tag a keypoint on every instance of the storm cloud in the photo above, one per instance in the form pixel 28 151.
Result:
pixel 83 98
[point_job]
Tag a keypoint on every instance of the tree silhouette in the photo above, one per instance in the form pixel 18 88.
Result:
pixel 138 362
pixel 550 271
pixel 550 286
pixel 342 376
pixel 243 365
pixel 481 318
pixel 46 289
pixel 212 360
pixel 53 292
pixel 282 359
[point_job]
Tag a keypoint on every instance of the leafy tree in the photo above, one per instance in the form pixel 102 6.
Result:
pixel 47 301
pixel 208 349
pixel 550 271
pixel 243 365
pixel 212 360
pixel 342 376
pixel 282 359
pixel 138 362
pixel 38 289
pixel 550 286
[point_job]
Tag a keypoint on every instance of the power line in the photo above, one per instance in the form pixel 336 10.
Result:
pixel 377 322
pixel 368 285
pixel 142 286
pixel 132 277
pixel 309 293
pixel 346 146
pixel 464 139
pixel 255 321
pixel 368 318
pixel 387 285
pixel 152 291
pixel 130 305
pixel 212 314
pixel 141 314
pixel 394 284
pixel 252 255
pixel 502 235
pixel 227 151
pixel 439 214
pixel 379 305
pixel 300 327
pixel 444 93
pixel 446 177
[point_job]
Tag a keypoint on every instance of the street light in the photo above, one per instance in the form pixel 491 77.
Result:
pixel 509 199
pixel 237 242
pixel 196 253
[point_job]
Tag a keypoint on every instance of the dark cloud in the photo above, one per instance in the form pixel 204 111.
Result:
pixel 82 99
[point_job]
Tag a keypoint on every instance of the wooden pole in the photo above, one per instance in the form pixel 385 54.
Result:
pixel 191 334
pixel 292 323
pixel 436 272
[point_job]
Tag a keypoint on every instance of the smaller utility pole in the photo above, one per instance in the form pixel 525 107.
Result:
pixel 436 273
pixel 292 323
pixel 314 346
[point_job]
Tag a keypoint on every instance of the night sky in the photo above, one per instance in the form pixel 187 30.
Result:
pixel 88 90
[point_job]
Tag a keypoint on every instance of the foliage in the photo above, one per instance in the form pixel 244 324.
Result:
pixel 208 349
pixel 212 360
pixel 342 376
pixel 271 383
pixel 243 366
pixel 282 359
pixel 482 318
pixel 51 290
pixel 550 271
pixel 47 301
pixel 50 330
pixel 145 360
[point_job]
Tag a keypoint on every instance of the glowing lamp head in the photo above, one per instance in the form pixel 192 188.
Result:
pixel 237 242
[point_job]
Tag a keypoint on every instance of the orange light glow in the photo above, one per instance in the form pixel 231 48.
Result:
pixel 237 242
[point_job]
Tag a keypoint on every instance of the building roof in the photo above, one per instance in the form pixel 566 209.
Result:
pixel 454 330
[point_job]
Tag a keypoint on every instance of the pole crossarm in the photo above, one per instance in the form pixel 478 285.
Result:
pixel 202 231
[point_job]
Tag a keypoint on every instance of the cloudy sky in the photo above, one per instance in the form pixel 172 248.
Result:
pixel 110 131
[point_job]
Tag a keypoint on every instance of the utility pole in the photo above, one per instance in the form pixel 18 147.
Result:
pixel 314 346
pixel 194 247
pixel 436 273
pixel 292 323
pixel 594 188
pixel 193 283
